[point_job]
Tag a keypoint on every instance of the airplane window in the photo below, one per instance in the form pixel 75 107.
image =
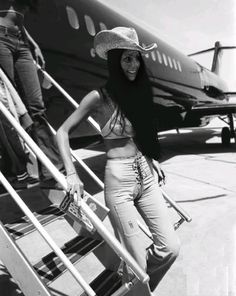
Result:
pixel 179 66
pixel 72 17
pixel 153 56
pixel 159 57
pixel 170 62
pixel 92 52
pixel 90 25
pixel 165 59
pixel 175 65
pixel 147 54
pixel 102 26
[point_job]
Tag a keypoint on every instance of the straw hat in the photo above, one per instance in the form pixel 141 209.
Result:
pixel 119 38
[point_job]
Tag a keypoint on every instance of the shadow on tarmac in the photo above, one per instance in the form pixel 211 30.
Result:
pixel 7 284
pixel 193 141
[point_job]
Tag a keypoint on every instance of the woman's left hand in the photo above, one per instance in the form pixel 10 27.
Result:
pixel 160 172
pixel 39 56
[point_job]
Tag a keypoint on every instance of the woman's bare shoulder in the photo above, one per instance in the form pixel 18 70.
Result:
pixel 93 98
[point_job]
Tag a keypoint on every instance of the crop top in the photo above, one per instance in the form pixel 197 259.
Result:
pixel 110 122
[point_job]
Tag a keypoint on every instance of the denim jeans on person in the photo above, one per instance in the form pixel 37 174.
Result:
pixel 131 185
pixel 17 62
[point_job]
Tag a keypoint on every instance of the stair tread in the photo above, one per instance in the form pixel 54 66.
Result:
pixel 106 283
pixel 50 266
pixel 23 226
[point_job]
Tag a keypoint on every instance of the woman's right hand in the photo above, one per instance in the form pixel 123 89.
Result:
pixel 75 187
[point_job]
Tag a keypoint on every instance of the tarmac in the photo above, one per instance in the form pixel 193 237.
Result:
pixel 201 179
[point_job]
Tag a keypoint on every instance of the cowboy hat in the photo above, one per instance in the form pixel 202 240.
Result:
pixel 119 38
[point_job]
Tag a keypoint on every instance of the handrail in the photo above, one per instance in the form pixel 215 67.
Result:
pixel 178 209
pixel 68 97
pixel 46 236
pixel 111 241
pixel 183 214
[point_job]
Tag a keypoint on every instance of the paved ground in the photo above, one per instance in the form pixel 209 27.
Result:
pixel 201 178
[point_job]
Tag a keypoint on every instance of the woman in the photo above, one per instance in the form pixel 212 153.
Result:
pixel 125 113
pixel 17 62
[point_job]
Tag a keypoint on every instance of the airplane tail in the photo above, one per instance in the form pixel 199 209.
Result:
pixel 215 67
pixel 218 52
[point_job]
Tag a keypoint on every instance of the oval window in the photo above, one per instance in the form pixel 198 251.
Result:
pixel 92 52
pixel 159 57
pixel 153 56
pixel 165 59
pixel 179 66
pixel 146 54
pixel 175 65
pixel 72 17
pixel 170 62
pixel 90 25
pixel 102 26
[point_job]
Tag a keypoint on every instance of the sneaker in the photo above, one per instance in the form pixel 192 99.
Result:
pixel 26 183
pixel 32 181
pixel 19 185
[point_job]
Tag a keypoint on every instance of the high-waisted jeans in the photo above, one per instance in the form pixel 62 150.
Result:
pixel 131 185
pixel 17 62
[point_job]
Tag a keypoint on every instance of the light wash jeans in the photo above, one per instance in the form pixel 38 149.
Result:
pixel 17 62
pixel 131 185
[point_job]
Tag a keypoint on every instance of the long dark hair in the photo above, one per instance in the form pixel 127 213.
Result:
pixel 135 101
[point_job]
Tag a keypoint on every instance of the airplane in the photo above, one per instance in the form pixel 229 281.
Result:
pixel 186 94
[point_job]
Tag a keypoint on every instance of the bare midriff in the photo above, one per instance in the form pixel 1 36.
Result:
pixel 12 13
pixel 120 148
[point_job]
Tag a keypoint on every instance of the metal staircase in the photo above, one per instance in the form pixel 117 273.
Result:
pixel 64 259
pixel 51 272
pixel 39 271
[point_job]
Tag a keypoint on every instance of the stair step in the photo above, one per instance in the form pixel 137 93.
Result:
pixel 23 226
pixel 50 267
pixel 35 247
pixel 106 283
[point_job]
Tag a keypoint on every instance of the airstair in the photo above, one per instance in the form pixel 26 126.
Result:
pixel 65 259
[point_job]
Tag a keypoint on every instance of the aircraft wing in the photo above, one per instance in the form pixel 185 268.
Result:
pixel 230 93
pixel 214 109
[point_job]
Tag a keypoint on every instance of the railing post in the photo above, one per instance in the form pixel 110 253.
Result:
pixel 68 97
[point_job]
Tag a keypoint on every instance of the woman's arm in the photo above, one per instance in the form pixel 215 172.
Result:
pixel 87 105
pixel 159 171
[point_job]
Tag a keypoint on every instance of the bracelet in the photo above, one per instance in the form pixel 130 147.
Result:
pixel 74 173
